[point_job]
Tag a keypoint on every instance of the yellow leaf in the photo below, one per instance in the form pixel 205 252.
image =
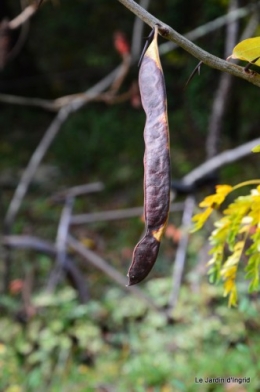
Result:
pixel 215 200
pixel 256 148
pixel 200 219
pixel 247 50
pixel 231 290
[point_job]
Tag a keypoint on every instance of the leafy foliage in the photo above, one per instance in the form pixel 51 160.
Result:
pixel 235 234
pixel 71 347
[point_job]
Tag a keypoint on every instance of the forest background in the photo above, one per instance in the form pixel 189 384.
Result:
pixel 67 321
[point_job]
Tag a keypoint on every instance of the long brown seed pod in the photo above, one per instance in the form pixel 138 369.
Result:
pixel 156 163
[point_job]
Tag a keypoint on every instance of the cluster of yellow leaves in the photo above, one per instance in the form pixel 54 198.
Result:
pixel 211 203
pixel 238 229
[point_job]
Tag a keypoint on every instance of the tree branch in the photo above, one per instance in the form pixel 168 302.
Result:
pixel 220 160
pixel 222 94
pixel 55 105
pixel 137 37
pixel 61 243
pixel 110 271
pixel 26 14
pixel 45 143
pixel 180 257
pixel 213 25
pixel 172 35
pixel 115 214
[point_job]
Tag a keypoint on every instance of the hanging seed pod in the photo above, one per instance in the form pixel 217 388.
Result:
pixel 156 162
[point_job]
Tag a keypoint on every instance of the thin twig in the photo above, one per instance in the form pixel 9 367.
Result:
pixel 55 105
pixel 220 160
pixel 45 143
pixel 77 280
pixel 23 17
pixel 180 257
pixel 222 94
pixel 110 271
pixel 25 28
pixel 61 244
pixel 70 268
pixel 77 191
pixel 29 242
pixel 115 214
pixel 137 36
pixel 207 58
pixel 211 26
pixel 123 71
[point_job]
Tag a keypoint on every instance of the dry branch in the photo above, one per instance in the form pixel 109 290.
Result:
pixel 222 94
pixel 57 104
pixel 137 36
pixel 26 14
pixel 213 25
pixel 180 257
pixel 61 243
pixel 172 35
pixel 110 271
pixel 115 214
pixel 45 143
pixel 220 160
pixel 77 191
pixel 30 242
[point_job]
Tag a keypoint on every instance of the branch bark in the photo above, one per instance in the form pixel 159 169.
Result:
pixel 45 143
pixel 115 214
pixel 222 94
pixel 220 160
pixel 110 271
pixel 172 35
pixel 26 14
pixel 180 257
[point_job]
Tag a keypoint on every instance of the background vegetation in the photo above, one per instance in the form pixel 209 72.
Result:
pixel 115 341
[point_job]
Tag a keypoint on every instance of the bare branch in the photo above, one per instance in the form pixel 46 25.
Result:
pixel 110 271
pixel 87 255
pixel 137 37
pixel 120 77
pixel 45 143
pixel 29 242
pixel 213 25
pixel 181 253
pixel 77 280
pixel 220 160
pixel 27 13
pixel 57 104
pixel 24 101
pixel 78 191
pixel 222 94
pixel 207 58
pixel 42 246
pixel 115 214
pixel 61 244
pixel 25 27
